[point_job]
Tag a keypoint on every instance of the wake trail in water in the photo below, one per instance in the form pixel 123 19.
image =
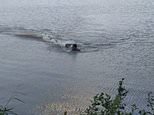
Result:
pixel 47 36
pixel 54 39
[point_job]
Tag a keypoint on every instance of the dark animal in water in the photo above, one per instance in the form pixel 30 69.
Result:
pixel 74 47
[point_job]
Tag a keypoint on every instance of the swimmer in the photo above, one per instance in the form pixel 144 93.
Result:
pixel 73 47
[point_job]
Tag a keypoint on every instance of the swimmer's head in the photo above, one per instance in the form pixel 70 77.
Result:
pixel 75 47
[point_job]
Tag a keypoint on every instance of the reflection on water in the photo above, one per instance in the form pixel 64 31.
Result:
pixel 116 39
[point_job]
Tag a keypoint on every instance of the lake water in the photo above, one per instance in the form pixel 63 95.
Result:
pixel 116 38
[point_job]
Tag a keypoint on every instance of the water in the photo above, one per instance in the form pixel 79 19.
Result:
pixel 116 38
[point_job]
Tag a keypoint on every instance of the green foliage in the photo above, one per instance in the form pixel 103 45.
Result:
pixel 104 104
pixel 5 110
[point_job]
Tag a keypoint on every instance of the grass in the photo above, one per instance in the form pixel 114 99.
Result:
pixel 6 110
